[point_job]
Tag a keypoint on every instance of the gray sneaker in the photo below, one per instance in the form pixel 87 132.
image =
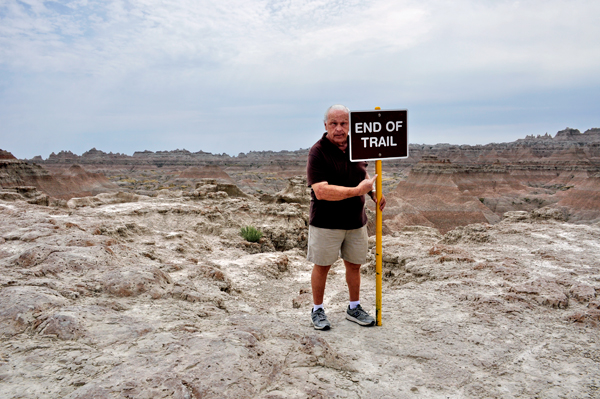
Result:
pixel 319 319
pixel 358 315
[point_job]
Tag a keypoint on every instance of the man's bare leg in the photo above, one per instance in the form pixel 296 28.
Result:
pixel 356 314
pixel 318 280
pixel 353 280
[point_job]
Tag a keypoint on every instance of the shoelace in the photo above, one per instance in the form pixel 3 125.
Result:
pixel 359 309
pixel 321 315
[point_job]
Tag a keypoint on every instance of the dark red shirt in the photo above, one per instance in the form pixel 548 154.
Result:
pixel 326 162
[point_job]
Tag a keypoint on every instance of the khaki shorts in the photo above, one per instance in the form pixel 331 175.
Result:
pixel 326 245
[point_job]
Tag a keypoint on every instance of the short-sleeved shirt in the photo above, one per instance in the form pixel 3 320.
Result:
pixel 326 162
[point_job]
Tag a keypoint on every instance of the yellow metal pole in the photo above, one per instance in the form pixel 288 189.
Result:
pixel 378 244
pixel 379 249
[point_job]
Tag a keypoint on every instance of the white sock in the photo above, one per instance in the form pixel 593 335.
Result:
pixel 354 304
pixel 315 307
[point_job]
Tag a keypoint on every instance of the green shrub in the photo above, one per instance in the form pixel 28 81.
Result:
pixel 251 233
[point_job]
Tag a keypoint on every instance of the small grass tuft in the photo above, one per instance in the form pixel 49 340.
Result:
pixel 251 233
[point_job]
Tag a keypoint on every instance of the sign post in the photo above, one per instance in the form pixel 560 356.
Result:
pixel 377 135
pixel 378 245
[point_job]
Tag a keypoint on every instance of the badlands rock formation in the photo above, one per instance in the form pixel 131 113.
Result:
pixel 566 145
pixel 461 184
pixel 130 296
pixel 254 172
pixel 444 195
pixel 64 183
pixel 441 186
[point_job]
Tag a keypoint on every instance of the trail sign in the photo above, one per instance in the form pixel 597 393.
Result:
pixel 373 136
pixel 378 134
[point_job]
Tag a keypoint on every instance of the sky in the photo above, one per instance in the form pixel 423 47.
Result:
pixel 235 76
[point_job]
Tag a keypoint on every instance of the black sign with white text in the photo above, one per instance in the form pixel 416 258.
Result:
pixel 378 135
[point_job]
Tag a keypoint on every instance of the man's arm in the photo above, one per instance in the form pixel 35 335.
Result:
pixel 328 192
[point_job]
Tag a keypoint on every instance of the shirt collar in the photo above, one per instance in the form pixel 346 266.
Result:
pixel 325 141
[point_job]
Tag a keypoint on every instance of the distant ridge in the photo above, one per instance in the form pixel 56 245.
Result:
pixel 568 145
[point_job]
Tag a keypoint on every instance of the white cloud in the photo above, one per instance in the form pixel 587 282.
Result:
pixel 99 37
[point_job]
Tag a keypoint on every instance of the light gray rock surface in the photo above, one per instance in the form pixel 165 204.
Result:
pixel 161 298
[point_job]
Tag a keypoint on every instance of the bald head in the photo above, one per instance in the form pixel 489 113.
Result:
pixel 337 107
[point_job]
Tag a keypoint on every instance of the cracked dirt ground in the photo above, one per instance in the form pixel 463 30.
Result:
pixel 161 298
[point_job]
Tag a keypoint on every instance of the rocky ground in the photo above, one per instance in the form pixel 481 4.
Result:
pixel 126 296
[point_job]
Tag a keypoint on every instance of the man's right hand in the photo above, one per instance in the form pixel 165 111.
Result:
pixel 366 185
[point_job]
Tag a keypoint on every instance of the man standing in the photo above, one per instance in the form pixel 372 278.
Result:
pixel 337 215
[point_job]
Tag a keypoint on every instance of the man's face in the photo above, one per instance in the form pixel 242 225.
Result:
pixel 337 127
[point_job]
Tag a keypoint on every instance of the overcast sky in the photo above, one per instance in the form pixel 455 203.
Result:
pixel 238 75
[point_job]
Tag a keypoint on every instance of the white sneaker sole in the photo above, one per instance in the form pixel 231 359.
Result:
pixel 324 328
pixel 362 323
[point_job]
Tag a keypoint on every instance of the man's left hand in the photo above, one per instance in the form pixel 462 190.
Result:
pixel 374 198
